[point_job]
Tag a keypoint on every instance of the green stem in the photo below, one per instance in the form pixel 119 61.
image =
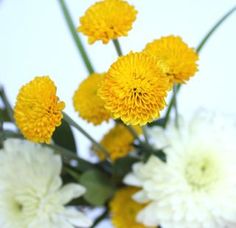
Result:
pixel 72 173
pixel 117 47
pixel 214 28
pixel 145 135
pixel 171 104
pixel 10 134
pixel 76 37
pixel 133 132
pixel 175 105
pixel 7 105
pixel 198 50
pixel 1 134
pixel 74 124
pixel 130 129
pixel 68 155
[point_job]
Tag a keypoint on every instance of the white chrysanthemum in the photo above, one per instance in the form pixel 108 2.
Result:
pixel 196 188
pixel 31 191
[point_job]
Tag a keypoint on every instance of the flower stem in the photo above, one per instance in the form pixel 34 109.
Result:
pixel 213 29
pixel 145 135
pixel 7 105
pixel 76 37
pixel 133 132
pixel 198 50
pixel 74 124
pixel 68 155
pixel 117 47
pixel 175 105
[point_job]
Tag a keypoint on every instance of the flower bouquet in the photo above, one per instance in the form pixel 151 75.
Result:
pixel 152 168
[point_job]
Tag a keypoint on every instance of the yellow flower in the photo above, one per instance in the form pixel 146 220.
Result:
pixel 178 58
pixel 38 110
pixel 118 141
pixel 106 20
pixel 124 209
pixel 86 101
pixel 134 89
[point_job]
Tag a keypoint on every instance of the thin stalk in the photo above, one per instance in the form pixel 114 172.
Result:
pixel 214 28
pixel 76 37
pixel 117 47
pixel 1 134
pixel 130 129
pixel 145 135
pixel 171 104
pixel 133 132
pixel 11 134
pixel 72 173
pixel 198 50
pixel 68 155
pixel 7 105
pixel 175 106
pixel 81 130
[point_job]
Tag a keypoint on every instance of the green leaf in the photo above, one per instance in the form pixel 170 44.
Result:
pixel 123 166
pixel 4 115
pixel 98 187
pixel 64 137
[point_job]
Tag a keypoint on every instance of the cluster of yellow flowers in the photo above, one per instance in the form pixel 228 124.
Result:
pixel 133 90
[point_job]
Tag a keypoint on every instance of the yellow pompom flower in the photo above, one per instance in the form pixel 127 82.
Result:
pixel 106 20
pixel 179 59
pixel 38 110
pixel 124 209
pixel 118 141
pixel 134 89
pixel 86 101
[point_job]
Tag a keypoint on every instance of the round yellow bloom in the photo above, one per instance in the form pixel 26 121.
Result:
pixel 106 20
pixel 86 101
pixel 134 89
pixel 124 209
pixel 38 110
pixel 118 141
pixel 178 58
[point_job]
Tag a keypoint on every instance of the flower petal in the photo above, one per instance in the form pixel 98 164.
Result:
pixel 71 191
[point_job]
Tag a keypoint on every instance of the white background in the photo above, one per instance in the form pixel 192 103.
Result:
pixel 34 40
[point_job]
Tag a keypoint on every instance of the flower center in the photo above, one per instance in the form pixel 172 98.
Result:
pixel 17 207
pixel 202 172
pixel 23 206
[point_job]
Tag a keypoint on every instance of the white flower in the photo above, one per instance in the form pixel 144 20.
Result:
pixel 196 188
pixel 31 191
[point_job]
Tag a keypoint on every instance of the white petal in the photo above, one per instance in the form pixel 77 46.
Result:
pixel 76 217
pixel 71 191
pixel 148 216
pixel 141 197
pixel 132 179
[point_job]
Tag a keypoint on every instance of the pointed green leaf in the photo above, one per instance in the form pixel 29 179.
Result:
pixel 64 137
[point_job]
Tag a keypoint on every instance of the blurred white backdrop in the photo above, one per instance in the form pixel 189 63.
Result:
pixel 34 40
